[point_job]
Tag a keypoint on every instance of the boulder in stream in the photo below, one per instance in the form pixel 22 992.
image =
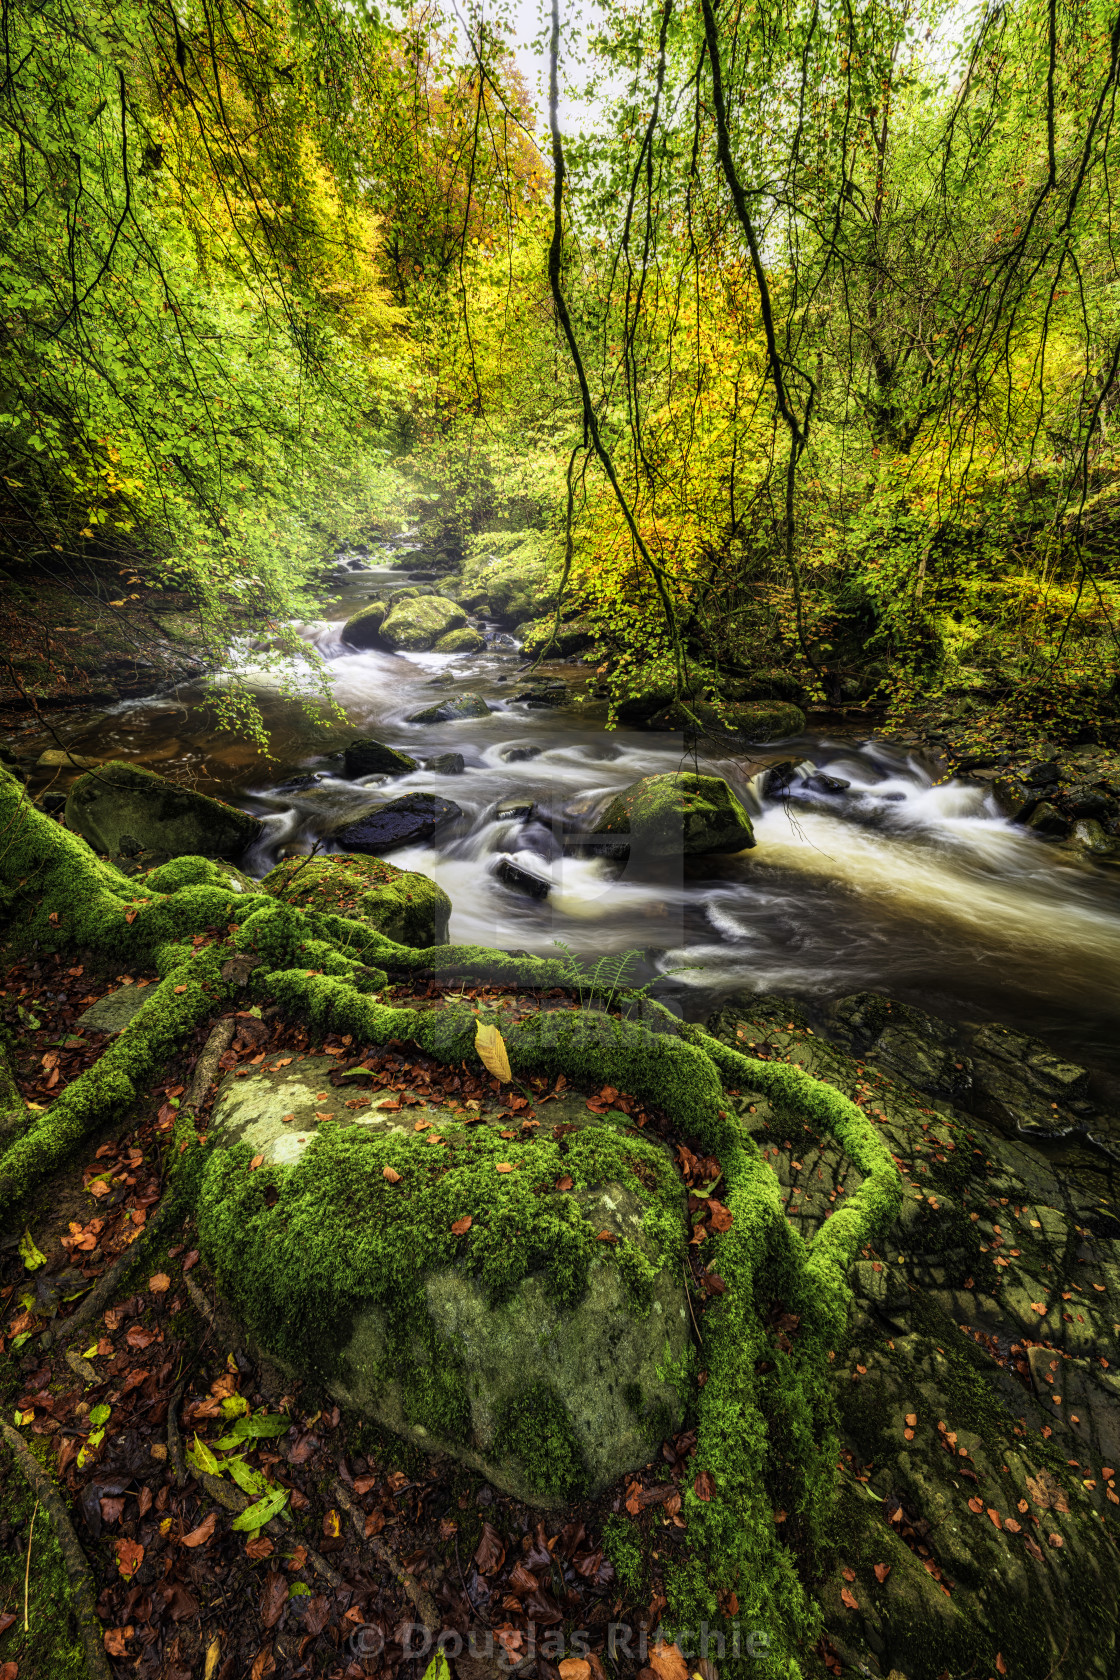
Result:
pixel 414 626
pixel 446 764
pixel 361 628
pixel 460 641
pixel 536 1333
pixel 449 711
pixel 677 813
pixel 368 757
pixel 130 812
pixel 407 821
pixel 402 904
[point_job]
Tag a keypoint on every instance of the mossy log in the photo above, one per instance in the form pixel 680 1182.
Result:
pixel 328 970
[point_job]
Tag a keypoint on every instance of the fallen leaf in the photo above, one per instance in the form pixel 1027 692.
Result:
pixel 995 1517
pixel 574 1668
pixel 460 1227
pixel 704 1486
pixel 565 1183
pixel 848 1574
pixel 912 1420
pixel 1012 1526
pixel 1056 1541
pixel 605 1236
pixel 264 1664
pixel 114 1643
pixel 137 1337
pixel 491 1048
pixel 849 1599
pixel 199 1536
pixel 1001 1666
pixel 667 1662
pixel 504 1166
pixel 112 1510
pixel 130 1555
pixel 274 1596
pixel 976 1506
pixel 490 1553
pixel 720 1218
pixel 393 1177
pixel 159 1284
pixel 259 1548
pixel 255 1162
pixel 882 1570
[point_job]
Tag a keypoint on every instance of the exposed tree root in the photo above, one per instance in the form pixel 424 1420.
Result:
pixel 83 1594
pixel 206 941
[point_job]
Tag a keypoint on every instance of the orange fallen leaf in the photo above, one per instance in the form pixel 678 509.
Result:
pixel 976 1506
pixel 114 1643
pixel 605 1236
pixel 255 1162
pixel 460 1227
pixel 259 1548
pixel 180 989
pixel 575 1668
pixel 995 1517
pixel 704 1486
pixel 667 1662
pixel 504 1166
pixel 882 1570
pixel 1001 1666
pixel 848 1599
pixel 848 1574
pixel 199 1536
pixel 130 1555
pixel 1056 1541
pixel 564 1183
pixel 393 1177
pixel 912 1420
pixel 159 1284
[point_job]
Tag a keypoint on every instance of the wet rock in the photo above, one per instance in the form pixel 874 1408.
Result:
pixel 665 816
pixel 756 721
pixel 975 1393
pixel 415 625
pixel 446 764
pixel 1047 819
pixel 449 711
pixel 514 811
pixel 543 694
pixel 367 757
pixel 162 819
pixel 517 755
pixel 460 641
pixel 57 758
pixel 819 782
pixel 299 784
pixel 401 904
pixel 407 821
pixel 361 629
pixel 483 1353
pixel 1088 836
pixel 522 880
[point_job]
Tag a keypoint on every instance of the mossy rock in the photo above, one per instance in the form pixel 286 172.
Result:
pixel 368 757
pixel 399 903
pixel 199 872
pixel 543 636
pixel 460 641
pixel 517 573
pixel 361 628
pixel 675 814
pixel 154 819
pixel 755 720
pixel 543 1346
pixel 414 626
pixel 449 711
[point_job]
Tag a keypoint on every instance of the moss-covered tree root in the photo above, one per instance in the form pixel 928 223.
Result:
pixel 83 1593
pixel 765 1413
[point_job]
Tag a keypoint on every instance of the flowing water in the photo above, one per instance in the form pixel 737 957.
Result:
pixel 894 884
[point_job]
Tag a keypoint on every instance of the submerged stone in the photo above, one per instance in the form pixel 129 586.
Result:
pixel 665 816
pixel 438 1280
pixel 399 903
pixel 154 818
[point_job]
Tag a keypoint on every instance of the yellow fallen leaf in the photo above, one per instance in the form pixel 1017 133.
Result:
pixel 491 1047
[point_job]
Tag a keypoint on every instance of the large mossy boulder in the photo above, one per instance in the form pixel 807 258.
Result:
pixel 544 637
pixel 460 641
pixel 415 625
pixel 516 573
pixel 516 1303
pixel 399 903
pixel 130 812
pixel 361 628
pixel 678 814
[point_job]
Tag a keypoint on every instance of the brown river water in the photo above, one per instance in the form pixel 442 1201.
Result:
pixel 895 884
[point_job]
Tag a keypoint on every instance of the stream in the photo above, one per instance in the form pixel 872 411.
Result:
pixel 892 884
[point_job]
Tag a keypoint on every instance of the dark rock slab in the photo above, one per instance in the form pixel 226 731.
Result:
pixel 413 818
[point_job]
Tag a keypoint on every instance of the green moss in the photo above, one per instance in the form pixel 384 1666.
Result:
pixel 52 1649
pixel 622 1544
pixel 536 1433
pixel 677 812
